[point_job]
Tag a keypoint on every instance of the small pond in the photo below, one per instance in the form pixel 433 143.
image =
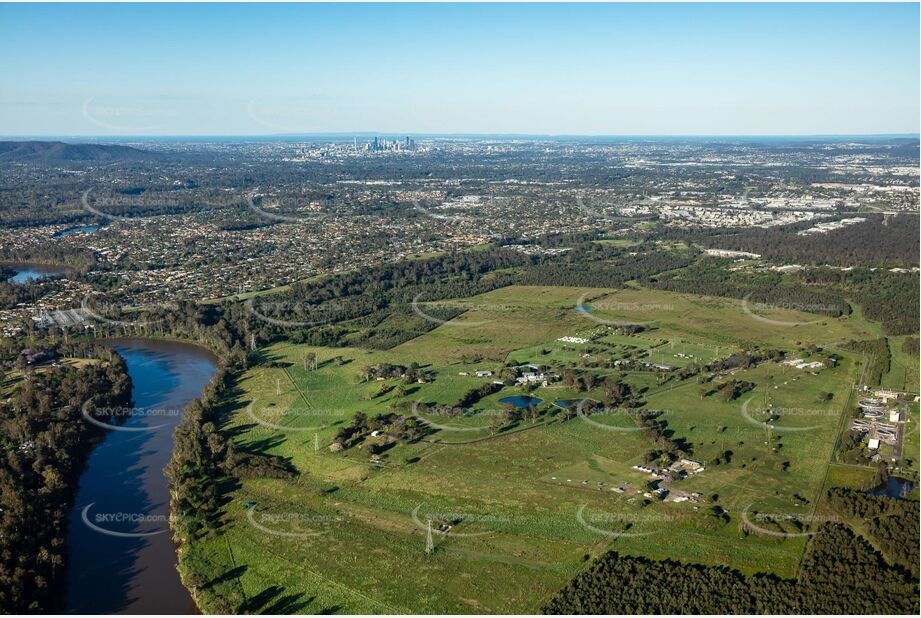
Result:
pixel 521 401
pixel 894 487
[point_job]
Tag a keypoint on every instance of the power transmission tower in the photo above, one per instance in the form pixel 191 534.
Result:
pixel 316 442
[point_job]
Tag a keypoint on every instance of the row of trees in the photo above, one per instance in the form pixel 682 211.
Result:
pixel 204 456
pixel 877 351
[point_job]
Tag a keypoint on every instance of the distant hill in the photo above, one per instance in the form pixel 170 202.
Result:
pixel 60 152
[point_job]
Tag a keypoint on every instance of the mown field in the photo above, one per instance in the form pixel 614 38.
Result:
pixel 530 506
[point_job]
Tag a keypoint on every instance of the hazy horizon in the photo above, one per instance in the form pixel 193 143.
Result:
pixel 456 135
pixel 459 69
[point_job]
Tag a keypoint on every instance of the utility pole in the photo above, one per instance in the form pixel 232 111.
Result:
pixel 429 544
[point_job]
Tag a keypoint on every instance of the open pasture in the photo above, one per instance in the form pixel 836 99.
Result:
pixel 515 515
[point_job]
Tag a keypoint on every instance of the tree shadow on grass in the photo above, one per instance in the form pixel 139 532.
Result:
pixel 271 601
pixel 227 576
pixel 328 611
pixel 257 602
pixel 289 604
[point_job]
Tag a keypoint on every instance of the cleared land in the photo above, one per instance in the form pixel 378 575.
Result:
pixel 516 514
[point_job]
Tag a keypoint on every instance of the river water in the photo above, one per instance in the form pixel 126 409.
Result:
pixel 121 556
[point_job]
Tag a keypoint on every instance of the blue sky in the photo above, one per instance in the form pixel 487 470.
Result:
pixel 628 69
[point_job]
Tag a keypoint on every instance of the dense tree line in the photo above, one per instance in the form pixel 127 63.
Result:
pixel 382 306
pixel 889 298
pixel 585 270
pixel 880 241
pixel 203 455
pixel 841 574
pixel 376 305
pixel 43 444
pixel 223 330
pixel 891 523
pixel 768 290
pixel 878 355
pixel 75 259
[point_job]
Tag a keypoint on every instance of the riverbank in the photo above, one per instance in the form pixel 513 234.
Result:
pixel 122 559
pixel 47 442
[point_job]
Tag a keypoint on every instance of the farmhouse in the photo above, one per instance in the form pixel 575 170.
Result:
pixel 533 378
pixel 686 466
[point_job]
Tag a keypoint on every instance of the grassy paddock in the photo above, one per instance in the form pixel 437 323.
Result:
pixel 528 508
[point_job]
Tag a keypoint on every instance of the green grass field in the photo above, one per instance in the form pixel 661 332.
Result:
pixel 903 368
pixel 529 507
